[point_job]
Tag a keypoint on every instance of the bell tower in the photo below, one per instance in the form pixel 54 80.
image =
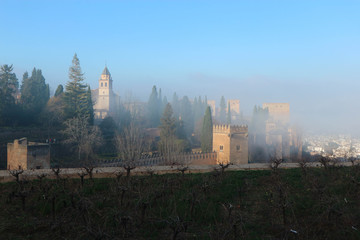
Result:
pixel 105 83
pixel 105 97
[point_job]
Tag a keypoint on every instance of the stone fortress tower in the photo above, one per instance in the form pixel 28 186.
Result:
pixel 234 108
pixel 104 99
pixel 278 131
pixel 231 143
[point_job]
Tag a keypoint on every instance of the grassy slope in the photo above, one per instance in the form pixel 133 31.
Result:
pixel 317 203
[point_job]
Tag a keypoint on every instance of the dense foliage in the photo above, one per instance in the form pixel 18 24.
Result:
pixel 8 90
pixel 35 94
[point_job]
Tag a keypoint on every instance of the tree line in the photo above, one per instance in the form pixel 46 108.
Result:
pixel 31 103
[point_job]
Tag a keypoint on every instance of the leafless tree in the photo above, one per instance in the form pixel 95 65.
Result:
pixel 130 145
pixel 82 135
pixel 16 173
pixel 82 174
pixel 325 161
pixel 56 171
pixel 223 166
pixel 275 163
pixel 182 169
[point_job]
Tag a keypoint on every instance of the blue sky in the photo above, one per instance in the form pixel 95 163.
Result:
pixel 303 52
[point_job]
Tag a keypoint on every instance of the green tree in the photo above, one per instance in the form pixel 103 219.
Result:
pixel 59 90
pixel 108 129
pixel 175 105
pixel 153 108
pixel 222 116
pixel 187 116
pixel 207 132
pixel 76 94
pixel 34 94
pixel 167 144
pixel 228 115
pixel 8 88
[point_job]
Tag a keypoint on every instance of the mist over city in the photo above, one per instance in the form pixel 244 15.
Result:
pixel 179 119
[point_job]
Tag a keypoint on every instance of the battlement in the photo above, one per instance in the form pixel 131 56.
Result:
pixel 230 128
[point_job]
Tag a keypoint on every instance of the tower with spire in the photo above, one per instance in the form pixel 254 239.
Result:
pixel 104 98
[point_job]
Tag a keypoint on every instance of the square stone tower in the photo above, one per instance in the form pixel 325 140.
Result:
pixel 231 144
pixel 27 155
pixel 278 112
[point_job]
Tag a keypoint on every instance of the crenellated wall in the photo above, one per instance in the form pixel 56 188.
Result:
pixel 231 143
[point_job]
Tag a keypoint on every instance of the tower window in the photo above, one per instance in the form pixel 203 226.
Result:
pixel 106 84
pixel 221 148
pixel 238 148
pixel 101 84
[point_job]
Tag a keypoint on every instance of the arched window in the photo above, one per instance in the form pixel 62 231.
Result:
pixel 106 84
pixel 101 84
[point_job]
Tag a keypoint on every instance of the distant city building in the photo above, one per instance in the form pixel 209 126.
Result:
pixel 27 155
pixel 105 100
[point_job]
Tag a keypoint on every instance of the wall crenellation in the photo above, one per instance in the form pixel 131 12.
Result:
pixel 230 128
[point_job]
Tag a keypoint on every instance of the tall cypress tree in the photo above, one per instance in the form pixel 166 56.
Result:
pixel 153 108
pixel 207 132
pixel 228 115
pixel 222 116
pixel 59 90
pixel 187 116
pixel 76 97
pixel 175 105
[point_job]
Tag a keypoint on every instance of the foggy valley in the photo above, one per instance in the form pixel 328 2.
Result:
pixel 179 119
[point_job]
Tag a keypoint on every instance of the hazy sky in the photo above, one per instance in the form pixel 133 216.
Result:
pixel 306 53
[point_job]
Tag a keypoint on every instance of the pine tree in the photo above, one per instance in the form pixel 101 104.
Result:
pixel 222 116
pixel 8 87
pixel 207 132
pixel 90 107
pixel 228 115
pixel 76 96
pixel 167 131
